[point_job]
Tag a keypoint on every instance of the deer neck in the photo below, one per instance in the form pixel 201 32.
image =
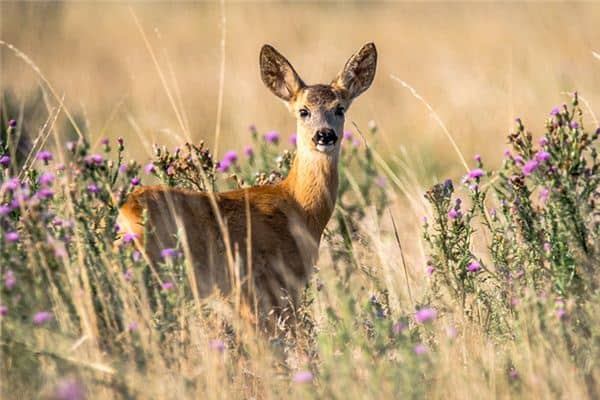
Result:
pixel 313 183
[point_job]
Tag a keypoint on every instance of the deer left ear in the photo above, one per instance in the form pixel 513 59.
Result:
pixel 359 71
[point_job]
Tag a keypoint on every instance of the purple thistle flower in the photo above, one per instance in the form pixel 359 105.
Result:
pixel 149 168
pixel 303 377
pixel 398 327
pixel 120 141
pixel 42 317
pixel 542 156
pixel 135 181
pixel 3 311
pixel 217 345
pixel 105 142
pixel 518 159
pixel 46 178
pixel 420 349
pixel 272 137
pixel 44 156
pixel 170 170
pixel 249 152
pixel 430 269
pixel 123 168
pixel 544 192
pixel 555 111
pixel 543 141
pixel 93 188
pixel 12 237
pixel 129 237
pixel 507 154
pixel 547 247
pixel 453 214
pixel 69 389
pixel 574 125
pixel 5 161
pixel 231 156
pixel 347 135
pixel 167 253
pixel 12 123
pixel 513 374
pixel 529 167
pixel 133 326
pixel 473 267
pixel 561 314
pixel 380 181
pixel 425 315
pixel 128 275
pixel 223 166
pixel 294 139
pixel 476 173
pixel 5 209
pixel 477 158
pixel 9 279
pixel 167 285
pixel 45 193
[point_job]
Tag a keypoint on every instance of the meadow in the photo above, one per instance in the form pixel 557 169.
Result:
pixel 462 257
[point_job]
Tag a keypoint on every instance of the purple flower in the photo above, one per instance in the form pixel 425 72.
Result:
pixel 69 389
pixel 513 374
pixel 12 123
pixel 380 181
pixel 149 168
pixel 272 137
pixel 4 209
pixel 555 111
pixel 347 135
pixel 46 178
pixel 248 151
pixel 128 275
pixel 3 311
pixel 542 156
pixel 398 327
pixel 507 154
pixel 420 349
pixel 129 237
pixel 453 214
pixel 42 317
pixel 543 141
pixel 529 167
pixel 9 279
pixel 93 188
pixel 120 141
pixel 544 192
pixel 5 161
pixel 294 139
pixel 105 142
pixel 217 345
pixel 71 146
pixel 167 253
pixel 561 313
pixel 425 315
pixel 231 156
pixel 430 269
pixel 123 168
pixel 477 158
pixel 518 159
pixel 473 267
pixel 133 326
pixel 167 285
pixel 574 125
pixel 547 247
pixel 44 156
pixel 476 173
pixel 303 377
pixel 223 166
pixel 135 181
pixel 11 237
pixel 45 193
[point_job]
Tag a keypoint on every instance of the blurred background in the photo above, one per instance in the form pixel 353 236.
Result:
pixel 479 65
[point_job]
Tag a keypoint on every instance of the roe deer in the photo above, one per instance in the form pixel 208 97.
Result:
pixel 276 253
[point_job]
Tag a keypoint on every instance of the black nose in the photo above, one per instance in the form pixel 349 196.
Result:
pixel 325 137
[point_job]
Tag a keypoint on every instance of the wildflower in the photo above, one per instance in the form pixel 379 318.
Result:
pixel 425 315
pixel 294 139
pixel 512 373
pixel 9 279
pixel 231 156
pixel 71 145
pixel 561 313
pixel 168 253
pixel 170 170
pixel 4 209
pixel 129 237
pixel 69 389
pixel 5 161
pixel 520 274
pixel 105 142
pixel 555 111
pixel 543 141
pixel 136 256
pixel 128 275
pixel 507 154
pixel 547 247
pixel 96 159
pixel 473 267
pixel 420 349
pixel 217 345
pixel 544 192
pixel 303 377
pixel 430 269
pixel 44 156
pixel 272 137
pixel 529 167
pixel 453 214
pixel 42 317
pixel 3 311
pixel 518 159
pixel 149 168
pixel 347 135
pixel 398 327
pixel 12 123
pixel 542 156
pixel 133 326
pixel 380 181
pixel 135 181
pixel 93 188
pixel 11 237
pixel 120 141
pixel 223 166
pixel 123 168
pixel 45 193
pixel 574 125
pixel 249 152
pixel 167 286
pixel 46 178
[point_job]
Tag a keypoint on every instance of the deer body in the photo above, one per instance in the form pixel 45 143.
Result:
pixel 276 251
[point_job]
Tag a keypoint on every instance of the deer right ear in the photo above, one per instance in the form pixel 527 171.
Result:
pixel 278 74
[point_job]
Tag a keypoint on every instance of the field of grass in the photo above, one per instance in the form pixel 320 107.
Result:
pixel 445 272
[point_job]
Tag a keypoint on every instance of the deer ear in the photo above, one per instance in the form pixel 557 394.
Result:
pixel 359 71
pixel 278 74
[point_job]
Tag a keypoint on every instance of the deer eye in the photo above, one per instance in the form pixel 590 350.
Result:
pixel 304 113
pixel 339 111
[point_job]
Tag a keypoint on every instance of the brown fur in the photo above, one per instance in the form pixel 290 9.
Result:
pixel 286 219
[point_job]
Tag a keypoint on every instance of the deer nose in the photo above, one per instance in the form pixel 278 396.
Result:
pixel 325 136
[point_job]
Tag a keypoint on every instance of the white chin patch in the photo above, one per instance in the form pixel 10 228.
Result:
pixel 325 148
